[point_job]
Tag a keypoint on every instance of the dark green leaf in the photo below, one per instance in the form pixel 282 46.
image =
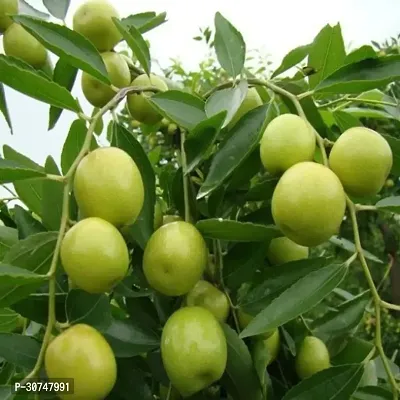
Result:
pixel 26 223
pixel 345 120
pixel 57 8
pixel 391 203
pixel 355 352
pixel 394 144
pixel 8 237
pixel 291 59
pixel 360 54
pixel 262 190
pixel 4 108
pixel 9 320
pixel 372 393
pixel 143 314
pixel 13 171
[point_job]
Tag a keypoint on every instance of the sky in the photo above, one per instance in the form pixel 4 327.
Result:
pixel 274 27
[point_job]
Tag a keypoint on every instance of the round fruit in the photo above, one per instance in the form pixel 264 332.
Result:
pixel 283 250
pixel 7 7
pixel 175 258
pixel 167 219
pixel 244 319
pixel 271 345
pixel 362 159
pixel 312 357
pixel 287 140
pixel 93 19
pixel 98 94
pixel 206 295
pixel 172 128
pixel 138 104
pixel 308 204
pixel 82 353
pixel 370 377
pixel 108 185
pixel 389 183
pixel 19 43
pixel 94 255
pixel 193 350
pixel 250 102
pixel 135 124
pixel 158 216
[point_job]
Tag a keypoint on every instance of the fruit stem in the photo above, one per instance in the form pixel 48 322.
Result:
pixel 57 178
pixel 361 207
pixel 169 391
pixel 367 101
pixel 185 177
pixel 390 306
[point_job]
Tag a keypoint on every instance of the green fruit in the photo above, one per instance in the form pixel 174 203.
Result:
pixel 271 345
pixel 287 140
pixel 164 390
pixel 206 295
pixel 308 204
pixel 7 7
pixel 108 185
pixel 211 269
pixel 82 354
pixel 244 319
pixel 19 43
pixel 251 101
pixel 362 159
pixel 283 250
pixel 370 377
pixel 94 255
pixel 172 128
pixel 312 357
pixel 193 350
pixel 389 183
pixel 93 19
pixel 139 106
pixel 158 215
pixel 165 122
pixel 135 124
pixel 167 219
pixel 98 94
pixel 175 258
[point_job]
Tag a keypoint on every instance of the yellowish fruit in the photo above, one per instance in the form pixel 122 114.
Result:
pixel 271 345
pixel 362 159
pixel 98 94
pixel 93 19
pixel 81 353
pixel 283 250
pixel 19 43
pixel 250 102
pixel 7 7
pixel 167 219
pixel 308 204
pixel 108 185
pixel 286 141
pixel 138 104
pixel 175 258
pixel 193 350
pixel 94 255
pixel 135 124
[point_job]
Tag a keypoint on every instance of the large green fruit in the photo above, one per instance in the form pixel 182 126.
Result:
pixel 175 258
pixel 94 255
pixel 286 141
pixel 250 102
pixel 138 104
pixel 308 204
pixel 108 185
pixel 283 250
pixel 206 295
pixel 7 7
pixel 312 357
pixel 193 350
pixel 362 159
pixel 82 354
pixel 271 345
pixel 93 19
pixel 19 43
pixel 98 94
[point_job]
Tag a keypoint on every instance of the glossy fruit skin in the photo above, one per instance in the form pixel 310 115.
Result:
pixel 138 105
pixel 108 185
pixel 98 94
pixel 312 357
pixel 193 349
pixel 167 219
pixel 271 345
pixel 93 19
pixel 82 353
pixel 94 255
pixel 286 141
pixel 362 159
pixel 7 7
pixel 206 295
pixel 19 43
pixel 175 258
pixel 308 204
pixel 250 102
pixel 283 250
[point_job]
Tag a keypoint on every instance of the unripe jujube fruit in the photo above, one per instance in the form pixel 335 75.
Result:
pixel 7 7
pixel 283 250
pixel 271 345
pixel 250 102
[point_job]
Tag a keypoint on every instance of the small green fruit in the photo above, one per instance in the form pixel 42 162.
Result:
pixel 250 102
pixel 389 183
pixel 172 128
pixel 135 124
pixel 271 345
pixel 7 7
pixel 283 250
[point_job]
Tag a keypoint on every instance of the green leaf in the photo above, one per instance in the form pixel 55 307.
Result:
pixel 229 46
pixel 8 237
pixel 355 352
pixel 57 8
pixel 144 22
pixel 180 107
pixel 372 393
pixel 362 76
pixel 67 44
pixel 345 120
pixel 158 20
pixel 326 54
pixel 9 320
pixel 246 135
pixel 27 225
pixel 4 108
pixel 306 293
pixel 26 8
pixel 263 190
pixel 394 144
pixel 143 315
pixel 391 203
pixel 293 58
pixel 360 54
pixel 359 112
pixel 13 171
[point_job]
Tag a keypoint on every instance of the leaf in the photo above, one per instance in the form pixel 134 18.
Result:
pixel 145 21
pixel 326 54
pixel 263 190
pixel 12 171
pixel 394 144
pixel 359 112
pixel 360 54
pixel 355 352
pixel 229 46
pixel 67 44
pixel 158 20
pixel 4 108
pixel 180 107
pixel 362 76
pixel 26 8
pixel 306 293
pixel 391 203
pixel 143 314
pixel 8 237
pixel 9 320
pixel 27 225
pixel 345 120
pixel 293 58
pixel 246 135
pixel 57 8
pixel 372 393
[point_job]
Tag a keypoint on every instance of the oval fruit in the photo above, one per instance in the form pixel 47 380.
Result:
pixel 82 354
pixel 250 102
pixel 175 258
pixel 283 250
pixel 193 350
pixel 308 204
pixel 108 185
pixel 97 93
pixel 7 7
pixel 271 345
pixel 94 255
pixel 362 159
pixel 286 141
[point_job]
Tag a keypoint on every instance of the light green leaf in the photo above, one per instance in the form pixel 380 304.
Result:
pixel 4 108
pixel 359 112
pixel 11 171
pixel 360 54
pixel 8 237
pixel 27 225
pixel 391 203
pixel 9 320
pixel 394 144
pixel 145 22
pixel 345 120
pixel 293 58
